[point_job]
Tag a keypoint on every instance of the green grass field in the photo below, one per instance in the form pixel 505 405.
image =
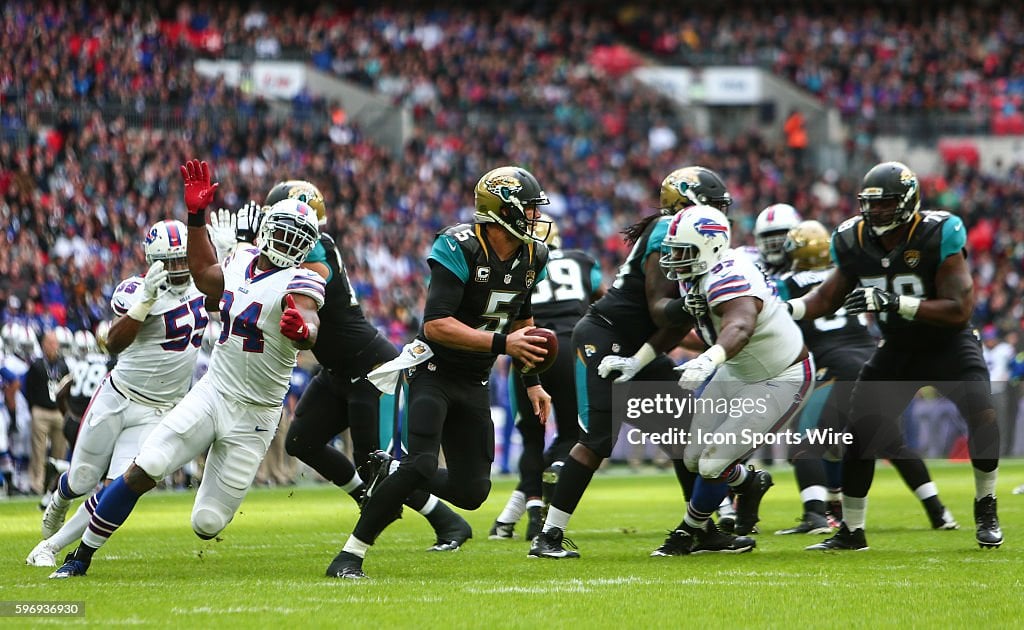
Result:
pixel 268 569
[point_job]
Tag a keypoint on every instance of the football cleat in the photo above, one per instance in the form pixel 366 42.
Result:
pixel 379 466
pixel 988 532
pixel 842 540
pixel 834 512
pixel 347 566
pixel 678 543
pixel 727 514
pixel 72 567
pixel 535 522
pixel 502 531
pixel 453 535
pixel 713 540
pixel 43 555
pixel 943 520
pixel 811 523
pixel 748 499
pixel 551 544
pixel 53 517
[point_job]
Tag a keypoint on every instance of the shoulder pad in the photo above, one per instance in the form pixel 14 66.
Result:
pixel 126 294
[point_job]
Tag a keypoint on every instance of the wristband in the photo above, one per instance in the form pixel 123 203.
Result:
pixel 498 343
pixel 717 354
pixel 645 355
pixel 197 219
pixel 140 310
pixel 797 308
pixel 529 380
pixel 908 306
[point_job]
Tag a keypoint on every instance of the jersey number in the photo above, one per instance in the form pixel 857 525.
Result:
pixel 497 311
pixel 181 335
pixel 620 277
pixel 837 321
pixel 245 325
pixel 902 284
pixel 564 283
pixel 87 377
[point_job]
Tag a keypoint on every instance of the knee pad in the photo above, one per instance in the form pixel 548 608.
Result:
pixel 83 478
pixel 207 522
pixel 476 494
pixel 296 446
pixel 602 448
pixel 714 469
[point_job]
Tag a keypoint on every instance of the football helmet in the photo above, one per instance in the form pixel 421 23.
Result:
pixel 102 332
pixel 693 186
pixel 889 196
pixel 503 195
pixel 546 231
pixel 301 190
pixel 697 239
pixel 288 233
pixel 65 341
pixel 770 231
pixel 85 343
pixel 168 241
pixel 807 245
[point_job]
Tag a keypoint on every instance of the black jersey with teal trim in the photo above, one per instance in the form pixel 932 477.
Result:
pixel 346 343
pixel 833 333
pixel 494 291
pixel 563 297
pixel 624 306
pixel 87 374
pixel 909 269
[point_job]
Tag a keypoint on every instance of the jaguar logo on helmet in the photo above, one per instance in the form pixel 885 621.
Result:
pixel 505 187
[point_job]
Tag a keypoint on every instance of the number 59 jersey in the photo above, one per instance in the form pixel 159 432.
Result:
pixel 252 361
pixel 156 369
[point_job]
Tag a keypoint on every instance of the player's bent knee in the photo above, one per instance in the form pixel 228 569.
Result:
pixel 83 478
pixel 714 469
pixel 473 494
pixel 297 445
pixel 424 465
pixel 207 523
pixel 138 479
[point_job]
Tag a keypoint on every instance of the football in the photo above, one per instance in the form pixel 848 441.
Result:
pixel 550 343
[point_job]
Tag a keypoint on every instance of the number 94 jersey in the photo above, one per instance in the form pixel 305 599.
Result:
pixel 156 369
pixel 252 361
pixel 909 269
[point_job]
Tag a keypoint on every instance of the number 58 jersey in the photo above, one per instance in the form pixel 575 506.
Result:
pixel 156 369
pixel 252 361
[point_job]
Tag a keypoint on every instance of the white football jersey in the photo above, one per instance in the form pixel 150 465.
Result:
pixel 252 361
pixel 776 341
pixel 156 369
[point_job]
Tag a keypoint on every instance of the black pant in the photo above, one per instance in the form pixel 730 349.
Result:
pixel 448 409
pixel 559 381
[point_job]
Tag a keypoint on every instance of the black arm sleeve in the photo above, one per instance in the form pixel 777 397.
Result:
pixel 676 314
pixel 444 294
pixel 526 310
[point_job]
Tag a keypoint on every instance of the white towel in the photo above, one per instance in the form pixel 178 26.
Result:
pixel 385 378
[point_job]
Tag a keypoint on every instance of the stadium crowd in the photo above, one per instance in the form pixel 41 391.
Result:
pixel 84 168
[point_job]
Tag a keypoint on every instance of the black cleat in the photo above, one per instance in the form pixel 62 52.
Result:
pixel 713 540
pixel 535 522
pixel 549 544
pixel 811 523
pixel 748 500
pixel 943 519
pixel 72 567
pixel 502 531
pixel 843 540
pixel 452 536
pixel 678 543
pixel 379 466
pixel 988 532
pixel 347 566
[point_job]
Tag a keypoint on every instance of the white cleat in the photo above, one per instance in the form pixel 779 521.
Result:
pixel 44 555
pixel 53 517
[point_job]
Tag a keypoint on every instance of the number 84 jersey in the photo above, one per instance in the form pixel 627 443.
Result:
pixel 252 361
pixel 156 369
pixel 909 269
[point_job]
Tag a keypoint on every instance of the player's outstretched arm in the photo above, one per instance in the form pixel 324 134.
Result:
pixel 824 299
pixel 202 258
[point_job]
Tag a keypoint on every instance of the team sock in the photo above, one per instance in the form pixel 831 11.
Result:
pixel 855 511
pixel 117 502
pixel 985 482
pixel 514 509
pixel 355 547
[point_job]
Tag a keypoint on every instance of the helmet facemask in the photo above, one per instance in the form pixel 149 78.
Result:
pixel 509 196
pixel 167 241
pixel 288 233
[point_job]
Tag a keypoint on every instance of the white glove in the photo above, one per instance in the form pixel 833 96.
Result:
pixel 696 371
pixel 626 366
pixel 153 286
pixel 222 232
pixel 247 222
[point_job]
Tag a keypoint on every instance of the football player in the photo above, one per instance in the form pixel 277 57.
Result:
pixel 618 324
pixel 269 312
pixel 756 354
pixel 478 306
pixel 160 320
pixel 841 345
pixel 770 229
pixel 559 301
pixel 909 267
pixel 340 396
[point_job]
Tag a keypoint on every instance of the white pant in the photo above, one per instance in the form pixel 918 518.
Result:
pixel 771 405
pixel 110 434
pixel 237 436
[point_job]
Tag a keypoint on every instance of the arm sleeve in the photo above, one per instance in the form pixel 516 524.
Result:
pixel 444 292
pixel 954 238
pixel 526 310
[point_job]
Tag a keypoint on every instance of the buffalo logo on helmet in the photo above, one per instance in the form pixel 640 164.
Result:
pixel 709 228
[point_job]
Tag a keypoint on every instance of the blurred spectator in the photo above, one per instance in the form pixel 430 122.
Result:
pixel 41 385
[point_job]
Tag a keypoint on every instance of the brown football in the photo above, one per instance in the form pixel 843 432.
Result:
pixel 550 343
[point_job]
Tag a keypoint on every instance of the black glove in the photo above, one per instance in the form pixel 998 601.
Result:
pixel 871 300
pixel 247 222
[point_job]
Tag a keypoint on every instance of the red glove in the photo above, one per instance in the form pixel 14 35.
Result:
pixel 292 324
pixel 198 189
